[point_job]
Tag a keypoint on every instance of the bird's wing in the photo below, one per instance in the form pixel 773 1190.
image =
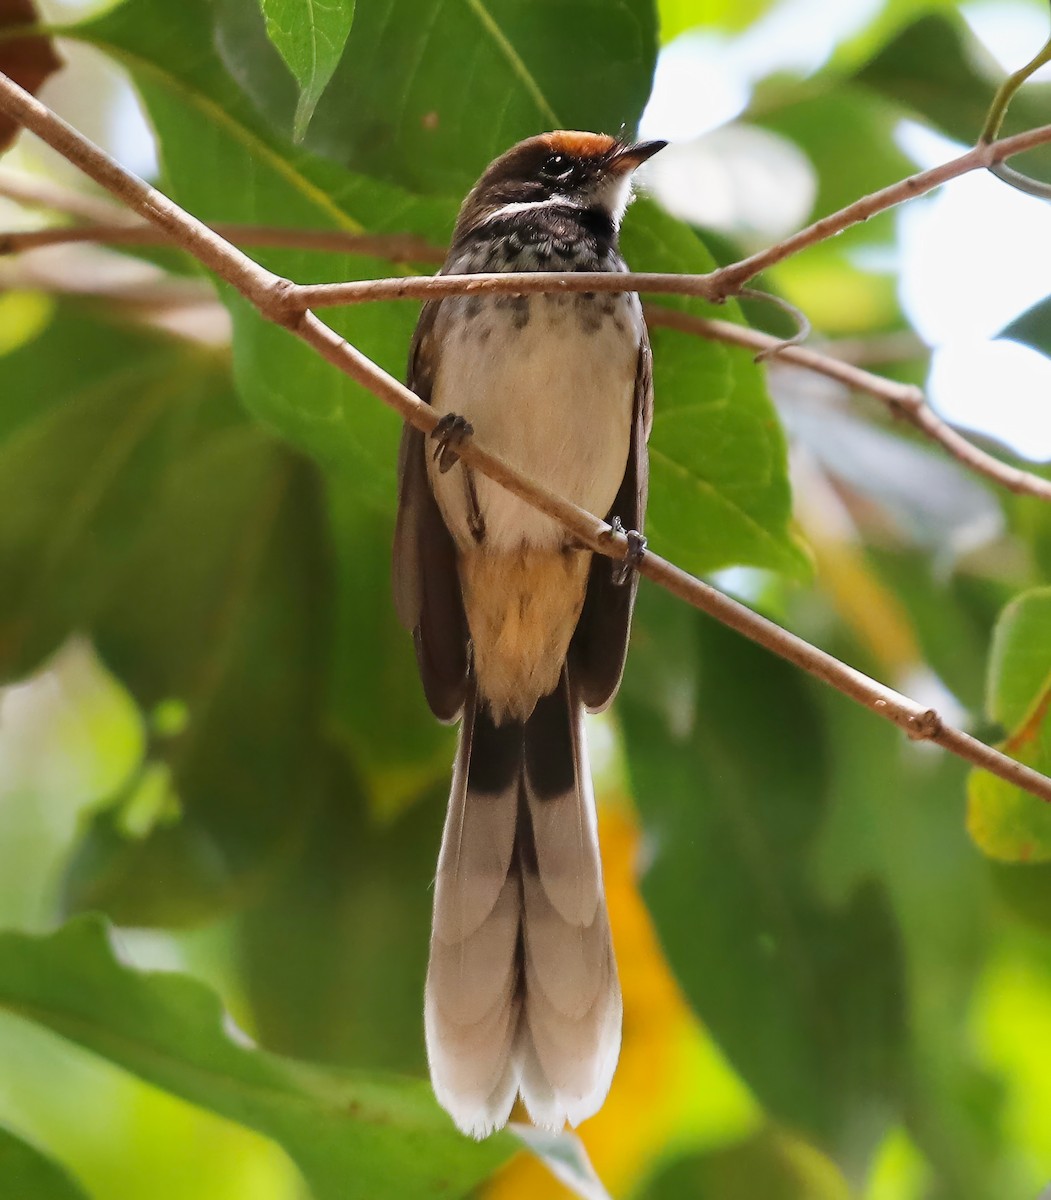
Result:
pixel 600 642
pixel 425 580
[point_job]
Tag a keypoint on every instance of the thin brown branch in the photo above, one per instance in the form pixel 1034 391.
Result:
pixel 716 286
pixel 31 191
pixel 878 349
pixel 906 401
pixel 518 283
pixel 269 293
pixel 397 247
pixel 986 155
pixel 903 399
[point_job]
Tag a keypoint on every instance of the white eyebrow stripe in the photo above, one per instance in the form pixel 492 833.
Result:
pixel 527 205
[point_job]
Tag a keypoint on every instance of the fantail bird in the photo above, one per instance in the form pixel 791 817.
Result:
pixel 518 630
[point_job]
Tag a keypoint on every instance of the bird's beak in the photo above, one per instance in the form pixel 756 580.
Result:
pixel 634 156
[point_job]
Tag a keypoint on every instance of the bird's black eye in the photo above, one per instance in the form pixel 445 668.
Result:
pixel 556 166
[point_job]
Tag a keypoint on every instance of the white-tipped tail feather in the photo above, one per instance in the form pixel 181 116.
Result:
pixel 522 992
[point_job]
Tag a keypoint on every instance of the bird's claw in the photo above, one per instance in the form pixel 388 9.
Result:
pixel 623 570
pixel 451 431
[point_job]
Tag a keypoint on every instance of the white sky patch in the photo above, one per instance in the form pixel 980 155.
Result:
pixel 704 79
pixel 1012 31
pixel 133 139
pixel 973 257
pixel 1001 388
pixel 696 88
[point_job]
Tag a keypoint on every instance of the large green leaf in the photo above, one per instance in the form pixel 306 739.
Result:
pixel 719 491
pixel 91 416
pixel 310 35
pixel 376 703
pixel 146 511
pixel 894 814
pixel 768 1164
pixel 352 1134
pixel 426 95
pixel 929 70
pixel 334 954
pixel 732 781
pixel 223 161
pixel 27 1174
pixel 848 135
pixel 719 478
pixel 1007 823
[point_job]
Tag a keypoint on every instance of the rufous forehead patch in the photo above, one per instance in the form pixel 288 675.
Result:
pixel 580 144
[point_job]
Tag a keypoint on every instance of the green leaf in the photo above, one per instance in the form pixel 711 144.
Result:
pixel 681 16
pixel 27 1174
pixel 352 1134
pixel 1007 823
pixel 772 1163
pixel 426 97
pixel 929 69
pixel 732 781
pixel 848 135
pixel 363 887
pixel 93 415
pixel 202 118
pixel 310 34
pixel 377 706
pixel 144 510
pixel 221 611
pixel 719 492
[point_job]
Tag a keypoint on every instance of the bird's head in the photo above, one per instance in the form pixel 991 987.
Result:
pixel 580 170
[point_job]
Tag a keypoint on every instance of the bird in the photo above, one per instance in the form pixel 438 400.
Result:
pixel 519 630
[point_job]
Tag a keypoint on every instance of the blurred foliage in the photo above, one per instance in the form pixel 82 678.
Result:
pixel 24 1171
pixel 1005 821
pixel 213 730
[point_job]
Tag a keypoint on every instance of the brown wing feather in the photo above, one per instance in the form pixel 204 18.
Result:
pixel 600 643
pixel 426 585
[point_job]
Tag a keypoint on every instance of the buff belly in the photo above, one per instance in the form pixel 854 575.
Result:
pixel 548 385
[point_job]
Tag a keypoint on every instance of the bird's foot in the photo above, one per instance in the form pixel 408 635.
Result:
pixel 623 570
pixel 451 431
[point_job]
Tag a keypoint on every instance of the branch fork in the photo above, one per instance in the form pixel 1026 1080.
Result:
pixel 289 305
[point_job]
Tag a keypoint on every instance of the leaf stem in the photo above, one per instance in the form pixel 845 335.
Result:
pixel 1005 93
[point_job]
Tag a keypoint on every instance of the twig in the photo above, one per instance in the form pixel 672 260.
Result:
pixel 898 346
pixel 995 119
pixel 903 399
pixel 716 286
pixel 800 319
pixel 988 155
pixel 34 192
pixel 398 247
pixel 269 293
pixel 1005 93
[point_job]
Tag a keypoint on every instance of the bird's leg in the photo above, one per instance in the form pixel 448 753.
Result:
pixel 475 520
pixel 621 572
pixel 451 431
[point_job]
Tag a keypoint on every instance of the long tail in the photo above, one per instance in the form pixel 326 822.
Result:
pixel 522 991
